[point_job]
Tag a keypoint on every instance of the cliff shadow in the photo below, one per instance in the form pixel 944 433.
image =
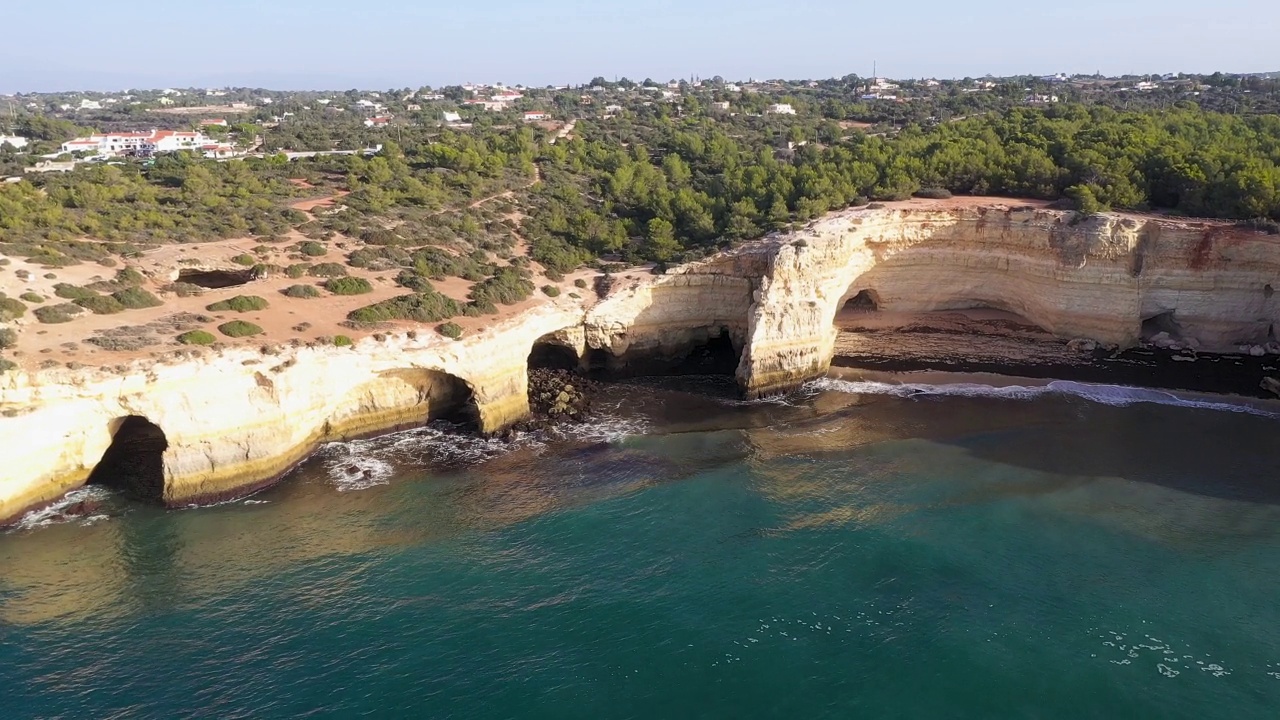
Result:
pixel 704 351
pixel 549 353
pixel 134 462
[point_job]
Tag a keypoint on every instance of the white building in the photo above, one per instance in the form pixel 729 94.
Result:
pixel 535 116
pixel 451 117
pixel 781 109
pixel 1042 99
pixel 382 121
pixel 722 105
pixel 17 142
pixel 138 143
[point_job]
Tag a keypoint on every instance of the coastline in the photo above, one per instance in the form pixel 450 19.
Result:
pixel 237 419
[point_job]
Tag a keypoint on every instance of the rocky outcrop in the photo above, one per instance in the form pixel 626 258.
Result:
pixel 235 420
pixel 1099 278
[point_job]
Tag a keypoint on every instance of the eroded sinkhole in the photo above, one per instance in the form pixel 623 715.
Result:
pixel 215 279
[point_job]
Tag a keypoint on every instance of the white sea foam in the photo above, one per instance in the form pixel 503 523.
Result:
pixel 56 512
pixel 1116 395
pixel 362 464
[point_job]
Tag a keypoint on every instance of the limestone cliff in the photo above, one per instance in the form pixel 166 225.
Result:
pixel 237 419
pixel 1098 278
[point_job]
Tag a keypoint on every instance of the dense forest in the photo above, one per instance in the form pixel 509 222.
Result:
pixel 654 190
pixel 663 181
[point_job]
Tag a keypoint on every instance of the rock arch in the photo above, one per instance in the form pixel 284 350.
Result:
pixel 134 461
pixel 403 398
pixel 551 352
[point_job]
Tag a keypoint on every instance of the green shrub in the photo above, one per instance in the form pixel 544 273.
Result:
pixel 8 338
pixel 328 270
pixel 245 259
pixel 239 303
pixel 71 292
pixel 304 292
pixel 507 287
pixel 129 276
pixel 239 328
pixel 348 286
pixel 426 306
pixel 342 341
pixel 297 270
pixel 136 298
pixel 184 289
pixel 312 248
pixel 54 314
pixel 580 283
pixel 550 290
pixel 554 275
pixel 11 309
pixel 450 330
pixel 7 365
pixel 101 304
pixel 933 193
pixel 32 298
pixel 197 337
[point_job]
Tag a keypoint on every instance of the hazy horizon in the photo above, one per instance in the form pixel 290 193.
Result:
pixel 322 45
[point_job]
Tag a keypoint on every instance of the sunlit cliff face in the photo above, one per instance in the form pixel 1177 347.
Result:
pixel 233 421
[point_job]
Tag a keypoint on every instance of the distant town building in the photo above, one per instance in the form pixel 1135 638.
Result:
pixel 381 121
pixel 138 143
pixel 451 117
pixel 535 116
pixel 781 109
pixel 722 105
pixel 1042 99
pixel 15 141
pixel 214 122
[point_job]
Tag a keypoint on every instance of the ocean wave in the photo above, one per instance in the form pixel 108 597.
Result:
pixel 56 512
pixel 362 464
pixel 1115 395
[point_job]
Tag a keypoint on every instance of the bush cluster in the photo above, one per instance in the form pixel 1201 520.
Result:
pixel 305 292
pixel 239 303
pixel 11 309
pixel 239 328
pixel 54 314
pixel 135 298
pixel 348 286
pixel 425 306
pixel 450 330
pixel 100 304
pixel 197 337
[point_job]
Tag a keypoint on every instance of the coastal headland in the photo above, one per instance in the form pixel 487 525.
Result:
pixel 197 425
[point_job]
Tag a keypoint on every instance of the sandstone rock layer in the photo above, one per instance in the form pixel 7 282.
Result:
pixel 236 420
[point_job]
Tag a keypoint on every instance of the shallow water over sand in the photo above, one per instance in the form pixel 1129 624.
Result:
pixel 945 549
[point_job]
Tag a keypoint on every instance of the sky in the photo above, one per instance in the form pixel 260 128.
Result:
pixel 52 45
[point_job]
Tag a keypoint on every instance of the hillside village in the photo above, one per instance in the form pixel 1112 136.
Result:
pixel 223 123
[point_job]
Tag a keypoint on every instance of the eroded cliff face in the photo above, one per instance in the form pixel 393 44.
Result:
pixel 236 420
pixel 1100 278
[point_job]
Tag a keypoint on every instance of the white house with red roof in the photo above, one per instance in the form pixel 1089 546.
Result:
pixel 380 121
pixel 138 143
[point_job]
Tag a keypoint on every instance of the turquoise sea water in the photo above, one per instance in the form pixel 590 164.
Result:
pixel 956 552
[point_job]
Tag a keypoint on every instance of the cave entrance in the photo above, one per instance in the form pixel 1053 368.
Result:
pixel 865 301
pixel 134 462
pixel 716 354
pixel 451 399
pixel 1161 323
pixel 215 279
pixel 552 356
